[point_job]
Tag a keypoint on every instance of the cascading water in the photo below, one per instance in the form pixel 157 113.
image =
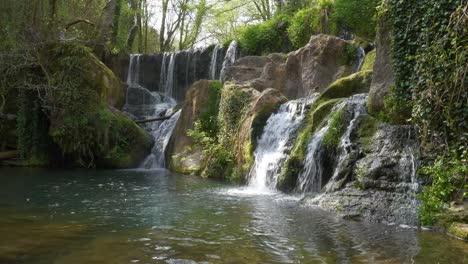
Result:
pixel 134 70
pixel 270 153
pixel 141 103
pixel 161 133
pixel 169 85
pixel 310 179
pixel 229 58
pixel 214 62
pixel 361 56
pixel 346 148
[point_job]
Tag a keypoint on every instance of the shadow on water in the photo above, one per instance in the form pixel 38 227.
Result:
pixel 140 216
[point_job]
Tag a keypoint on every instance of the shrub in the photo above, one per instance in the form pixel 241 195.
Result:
pixel 267 37
pixel 312 20
pixel 358 15
pixel 448 174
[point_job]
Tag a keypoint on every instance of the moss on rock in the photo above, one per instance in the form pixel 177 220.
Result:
pixel 368 64
pixel 368 126
pixel 348 86
pixel 459 230
pixel 294 164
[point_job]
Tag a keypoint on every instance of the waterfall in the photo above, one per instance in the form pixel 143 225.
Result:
pixel 161 133
pixel 361 56
pixel 163 73
pixel 140 103
pixel 214 62
pixel 274 142
pixel 310 178
pixel 346 148
pixel 133 76
pixel 229 58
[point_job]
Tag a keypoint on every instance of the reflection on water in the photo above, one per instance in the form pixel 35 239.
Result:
pixel 157 217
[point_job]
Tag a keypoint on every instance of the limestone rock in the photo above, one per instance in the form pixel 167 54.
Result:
pixel 182 155
pixel 310 69
pixel 384 77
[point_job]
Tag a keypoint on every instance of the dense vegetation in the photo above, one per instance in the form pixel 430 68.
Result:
pixel 430 66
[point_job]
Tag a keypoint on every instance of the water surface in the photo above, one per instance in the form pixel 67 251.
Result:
pixel 53 216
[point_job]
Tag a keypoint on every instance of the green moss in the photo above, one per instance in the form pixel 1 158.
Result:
pixel 294 163
pixel 336 130
pixel 459 230
pixel 359 173
pixel 348 86
pixel 368 126
pixel 369 61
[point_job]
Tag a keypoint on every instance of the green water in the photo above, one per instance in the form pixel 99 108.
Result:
pixel 82 216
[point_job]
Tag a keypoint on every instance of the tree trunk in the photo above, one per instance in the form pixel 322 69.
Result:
pixel 162 31
pixel 116 21
pixel 106 27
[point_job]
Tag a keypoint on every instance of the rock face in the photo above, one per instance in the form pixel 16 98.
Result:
pixel 384 77
pixel 182 155
pixel 377 179
pixel 242 125
pixel 300 73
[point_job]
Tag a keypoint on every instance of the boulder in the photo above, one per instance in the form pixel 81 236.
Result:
pixel 182 155
pixel 310 69
pixel 384 77
pixel 246 69
pixel 124 144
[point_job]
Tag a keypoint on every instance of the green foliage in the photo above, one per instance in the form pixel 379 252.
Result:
pixel 448 174
pixel 264 38
pixel 214 132
pixel 209 116
pixel 304 24
pixel 359 15
pixel 32 125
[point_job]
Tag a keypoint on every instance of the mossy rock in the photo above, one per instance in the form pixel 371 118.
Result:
pixel 94 74
pixel 368 127
pixel 348 86
pixel 459 230
pixel 131 143
pixel 294 164
pixel 368 64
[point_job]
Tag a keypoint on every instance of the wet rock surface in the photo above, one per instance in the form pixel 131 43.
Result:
pixel 378 182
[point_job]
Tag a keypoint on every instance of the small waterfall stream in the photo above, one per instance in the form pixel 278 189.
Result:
pixel 161 132
pixel 272 146
pixel 310 179
pixel 229 58
pixel 361 56
pixel 214 62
